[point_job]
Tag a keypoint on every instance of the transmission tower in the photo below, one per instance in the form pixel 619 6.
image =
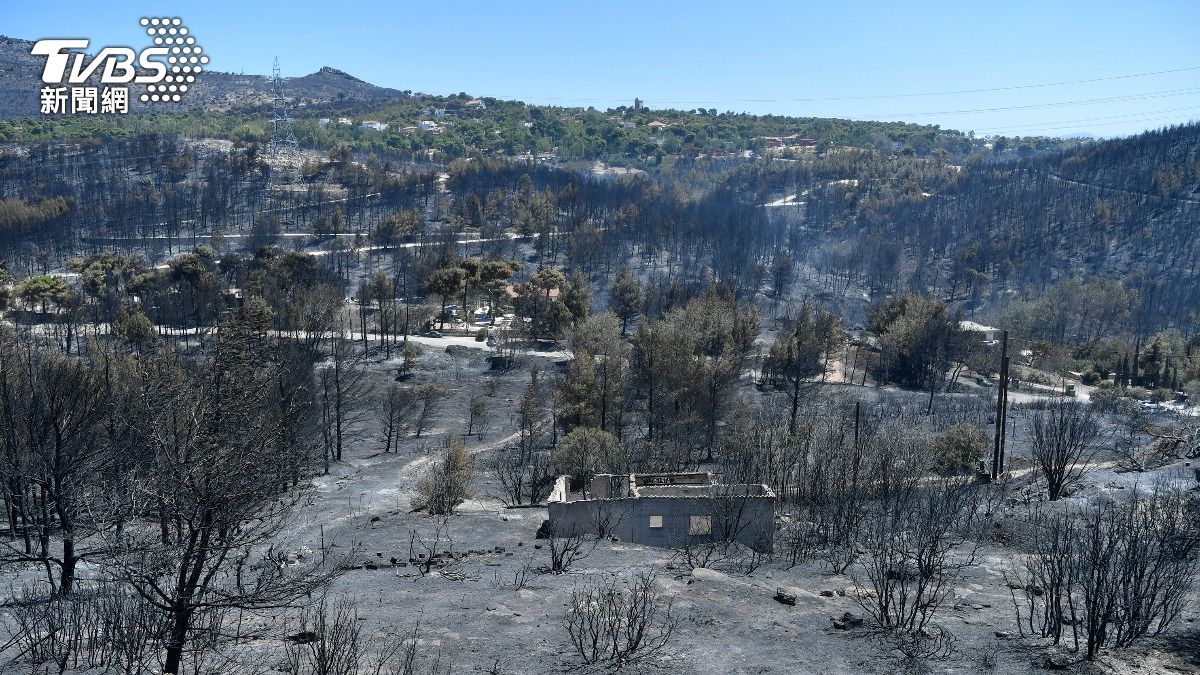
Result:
pixel 283 138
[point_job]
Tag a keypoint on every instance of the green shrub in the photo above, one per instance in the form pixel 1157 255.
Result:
pixel 958 449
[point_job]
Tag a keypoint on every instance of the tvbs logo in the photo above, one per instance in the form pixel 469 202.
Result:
pixel 167 69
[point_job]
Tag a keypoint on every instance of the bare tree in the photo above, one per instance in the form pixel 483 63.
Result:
pixel 217 545
pixel 477 415
pixel 99 626
pixel 568 546
pixel 1064 441
pixel 524 469
pixel 53 406
pixel 329 641
pixel 343 385
pixel 618 626
pixel 912 560
pixel 399 408
pixel 424 551
pixel 430 397
pixel 1113 572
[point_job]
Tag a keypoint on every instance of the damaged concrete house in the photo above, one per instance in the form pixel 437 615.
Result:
pixel 669 510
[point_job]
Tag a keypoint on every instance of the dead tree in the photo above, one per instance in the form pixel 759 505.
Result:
pixel 343 385
pixel 477 415
pixel 53 450
pixel 430 397
pixel 913 557
pixel 568 546
pixel 1064 441
pixel 523 469
pixel 1114 572
pixel 329 640
pixel 204 521
pixel 618 626
pixel 396 415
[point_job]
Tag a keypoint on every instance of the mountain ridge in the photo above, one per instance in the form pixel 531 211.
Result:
pixel 20 83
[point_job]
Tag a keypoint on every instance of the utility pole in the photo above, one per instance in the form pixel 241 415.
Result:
pixel 1137 349
pixel 1004 377
pixel 1001 411
pixel 857 417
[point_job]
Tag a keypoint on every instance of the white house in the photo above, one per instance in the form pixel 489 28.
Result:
pixel 427 125
pixel 323 122
pixel 988 333
pixel 372 124
pixel 345 120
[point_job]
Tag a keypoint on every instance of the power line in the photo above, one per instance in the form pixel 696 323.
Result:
pixel 1009 88
pixel 1127 116
pixel 1163 118
pixel 1166 93
pixel 865 97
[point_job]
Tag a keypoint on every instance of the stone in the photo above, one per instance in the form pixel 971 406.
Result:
pixel 375 519
pixel 826 594
pixel 852 620
pixel 1058 662
pixel 785 596
pixel 303 637
pixel 543 531
pixel 705 574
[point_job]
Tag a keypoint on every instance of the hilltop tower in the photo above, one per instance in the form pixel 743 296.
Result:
pixel 283 138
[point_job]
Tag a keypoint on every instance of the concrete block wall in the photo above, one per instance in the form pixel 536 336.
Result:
pixel 630 519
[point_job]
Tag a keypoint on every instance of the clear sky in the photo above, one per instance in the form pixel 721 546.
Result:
pixel 1111 68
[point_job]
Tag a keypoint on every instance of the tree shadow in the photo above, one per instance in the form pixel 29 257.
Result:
pixel 1186 644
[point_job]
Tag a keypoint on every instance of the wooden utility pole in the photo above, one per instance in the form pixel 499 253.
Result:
pixel 857 417
pixel 1004 377
pixel 1001 411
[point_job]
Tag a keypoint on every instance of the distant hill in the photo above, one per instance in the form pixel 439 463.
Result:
pixel 20 77
pixel 1125 209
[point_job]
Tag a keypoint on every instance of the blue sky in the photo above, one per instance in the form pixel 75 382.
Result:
pixel 1112 68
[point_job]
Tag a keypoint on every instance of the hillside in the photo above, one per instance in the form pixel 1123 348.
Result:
pixel 473 126
pixel 999 225
pixel 20 72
